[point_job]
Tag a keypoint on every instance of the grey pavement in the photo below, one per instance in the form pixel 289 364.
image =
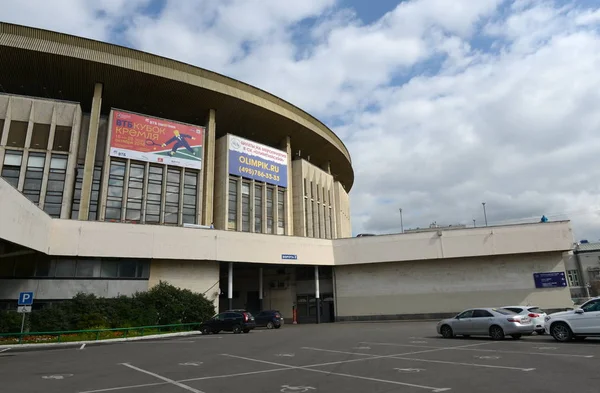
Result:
pixel 348 357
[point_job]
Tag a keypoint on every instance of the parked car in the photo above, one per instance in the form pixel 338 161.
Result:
pixel 576 324
pixel 270 319
pixel 229 321
pixel 494 322
pixel 536 314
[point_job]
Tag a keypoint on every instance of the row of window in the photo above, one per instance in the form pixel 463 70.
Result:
pixel 42 266
pixel 35 180
pixel 40 136
pixel 258 202
pixel 318 211
pixel 125 199
pixel 94 197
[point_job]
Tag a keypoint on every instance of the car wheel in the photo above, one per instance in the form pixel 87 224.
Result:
pixel 496 332
pixel 447 331
pixel 206 330
pixel 561 332
pixel 277 326
pixel 270 325
pixel 516 336
pixel 237 329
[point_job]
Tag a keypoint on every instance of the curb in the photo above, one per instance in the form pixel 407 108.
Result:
pixel 5 349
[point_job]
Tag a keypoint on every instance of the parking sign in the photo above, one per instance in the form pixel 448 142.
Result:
pixel 25 298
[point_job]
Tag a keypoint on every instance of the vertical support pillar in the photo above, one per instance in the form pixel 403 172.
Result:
pixel 317 294
pixel 260 288
pixel 67 202
pixel 209 168
pixel 26 152
pixel 90 154
pixel 230 285
pixel 286 145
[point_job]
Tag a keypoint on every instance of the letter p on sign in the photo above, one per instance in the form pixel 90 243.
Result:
pixel 25 298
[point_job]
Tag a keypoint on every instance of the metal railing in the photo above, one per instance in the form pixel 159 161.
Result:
pixel 93 334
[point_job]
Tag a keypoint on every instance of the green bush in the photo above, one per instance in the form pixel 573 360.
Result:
pixel 164 304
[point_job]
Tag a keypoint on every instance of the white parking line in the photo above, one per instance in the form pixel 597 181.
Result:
pixel 4 350
pixel 172 382
pixel 425 360
pixel 463 348
pixel 433 389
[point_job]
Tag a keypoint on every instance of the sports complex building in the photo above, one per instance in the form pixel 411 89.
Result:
pixel 120 169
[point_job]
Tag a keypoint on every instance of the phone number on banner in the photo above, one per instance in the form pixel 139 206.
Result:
pixel 256 172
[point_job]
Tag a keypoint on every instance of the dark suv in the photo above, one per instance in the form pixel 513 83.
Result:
pixel 269 318
pixel 229 321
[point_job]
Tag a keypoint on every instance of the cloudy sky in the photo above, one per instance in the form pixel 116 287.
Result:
pixel 444 104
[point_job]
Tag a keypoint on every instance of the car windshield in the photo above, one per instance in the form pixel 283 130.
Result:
pixel 536 310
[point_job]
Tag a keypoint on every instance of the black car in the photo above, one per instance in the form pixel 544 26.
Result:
pixel 229 321
pixel 269 318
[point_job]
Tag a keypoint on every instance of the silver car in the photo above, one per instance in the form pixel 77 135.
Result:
pixel 494 322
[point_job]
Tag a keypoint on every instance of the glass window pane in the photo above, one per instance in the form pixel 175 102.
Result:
pixel 39 136
pixel 270 211
pixel 13 157
pixel 62 138
pixel 232 205
pixel 110 268
pixel 127 268
pixel 36 160
pixel 58 162
pixel 25 267
pixel 17 134
pixel 85 268
pixel 65 268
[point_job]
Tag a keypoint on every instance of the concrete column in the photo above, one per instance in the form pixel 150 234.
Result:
pixel 90 155
pixel 209 168
pixel 230 285
pixel 67 201
pixel 286 145
pixel 317 295
pixel 26 151
pixel 260 287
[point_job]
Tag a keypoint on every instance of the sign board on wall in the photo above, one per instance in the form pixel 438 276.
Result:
pixel 148 139
pixel 550 280
pixel 257 161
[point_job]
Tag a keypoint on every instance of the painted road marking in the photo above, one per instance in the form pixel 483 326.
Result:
pixel 298 389
pixel 172 382
pixel 418 342
pixel 433 389
pixel 400 357
pixel 486 357
pixel 58 376
pixel 463 348
pixel 191 364
pixel 361 348
pixel 409 370
pixel 542 348
pixel 285 355
pixel 5 349
pixel 81 347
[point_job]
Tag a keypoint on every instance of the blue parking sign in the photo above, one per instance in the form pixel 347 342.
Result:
pixel 25 298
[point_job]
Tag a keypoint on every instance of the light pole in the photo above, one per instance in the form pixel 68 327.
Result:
pixel 484 213
pixel 474 223
pixel 401 222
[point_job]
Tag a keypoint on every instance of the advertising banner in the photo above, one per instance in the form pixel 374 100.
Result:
pixel 143 138
pixel 256 161
pixel 550 280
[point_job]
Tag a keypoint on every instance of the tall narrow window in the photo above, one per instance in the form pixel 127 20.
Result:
pixel 33 176
pixel 331 223
pixel 95 195
pixel 270 209
pixel 116 181
pixel 258 205
pixel 190 192
pixel 172 197
pixel 232 205
pixel 317 229
pixel 75 204
pixel 135 192
pixel 280 212
pixel 245 207
pixel 39 136
pixel 325 222
pixel 11 169
pixel 56 185
pixel 17 133
pixel 1 128
pixel 306 202
pixel 62 138
pixel 155 180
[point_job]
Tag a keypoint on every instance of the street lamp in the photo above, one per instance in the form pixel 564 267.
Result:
pixel 401 222
pixel 484 213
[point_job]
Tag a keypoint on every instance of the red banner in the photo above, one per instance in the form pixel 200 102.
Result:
pixel 149 139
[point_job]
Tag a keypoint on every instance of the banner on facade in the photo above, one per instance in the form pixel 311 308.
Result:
pixel 143 138
pixel 257 161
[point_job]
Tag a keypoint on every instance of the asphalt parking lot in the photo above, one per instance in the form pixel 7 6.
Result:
pixel 350 357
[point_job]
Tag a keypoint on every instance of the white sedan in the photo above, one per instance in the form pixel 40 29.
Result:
pixel 536 314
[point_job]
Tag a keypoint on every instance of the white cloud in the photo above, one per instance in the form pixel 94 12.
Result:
pixel 476 101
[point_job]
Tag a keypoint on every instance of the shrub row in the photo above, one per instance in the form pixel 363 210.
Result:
pixel 164 304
